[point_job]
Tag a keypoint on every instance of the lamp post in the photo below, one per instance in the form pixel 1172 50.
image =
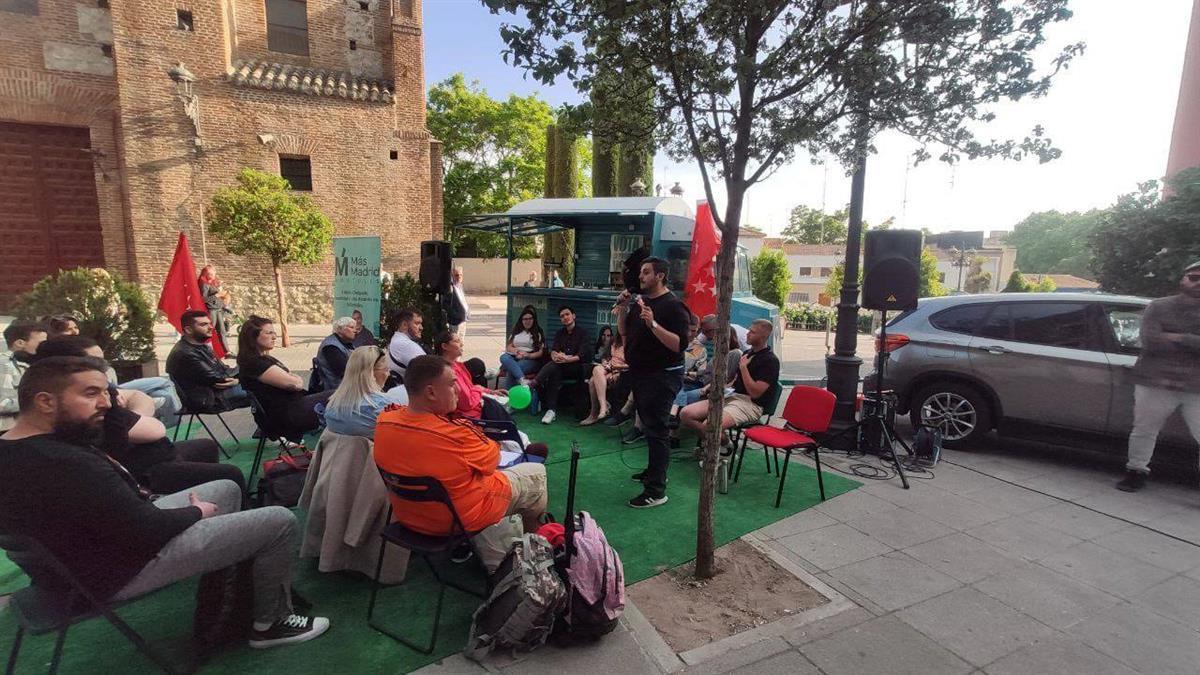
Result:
pixel 961 260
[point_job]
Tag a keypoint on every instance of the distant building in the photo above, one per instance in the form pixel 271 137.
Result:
pixel 1185 142
pixel 1064 283
pixel 752 239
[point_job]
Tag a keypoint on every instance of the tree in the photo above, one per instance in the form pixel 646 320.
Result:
pixel 770 277
pixel 1144 241
pixel 739 85
pixel 814 226
pixel 1052 242
pixel 1044 285
pixel 1017 283
pixel 978 281
pixel 262 216
pixel 493 156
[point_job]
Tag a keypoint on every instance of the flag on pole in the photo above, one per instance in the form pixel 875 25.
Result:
pixel 181 291
pixel 700 295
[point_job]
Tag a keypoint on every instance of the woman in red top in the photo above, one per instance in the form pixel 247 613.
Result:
pixel 472 401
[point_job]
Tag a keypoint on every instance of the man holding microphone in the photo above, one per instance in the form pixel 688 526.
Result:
pixel 655 327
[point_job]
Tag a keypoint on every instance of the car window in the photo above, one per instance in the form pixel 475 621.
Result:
pixel 963 319
pixel 1054 324
pixel 1126 323
pixel 998 324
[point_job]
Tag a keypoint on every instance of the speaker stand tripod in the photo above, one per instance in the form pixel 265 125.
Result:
pixel 876 419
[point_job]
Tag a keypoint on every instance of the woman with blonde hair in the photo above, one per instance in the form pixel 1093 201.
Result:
pixel 358 400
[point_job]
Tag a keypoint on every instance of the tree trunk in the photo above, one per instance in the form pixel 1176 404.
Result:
pixel 285 338
pixel 705 559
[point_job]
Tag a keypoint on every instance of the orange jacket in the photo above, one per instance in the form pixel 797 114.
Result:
pixel 452 450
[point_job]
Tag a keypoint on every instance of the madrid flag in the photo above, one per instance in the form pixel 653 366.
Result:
pixel 181 291
pixel 701 292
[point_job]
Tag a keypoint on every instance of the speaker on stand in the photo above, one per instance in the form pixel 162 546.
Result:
pixel 434 278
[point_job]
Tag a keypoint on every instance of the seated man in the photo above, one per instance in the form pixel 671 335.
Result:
pixel 756 377
pixel 424 439
pixel 94 517
pixel 22 339
pixel 334 352
pixel 406 341
pixel 570 354
pixel 708 331
pixel 159 389
pixel 203 380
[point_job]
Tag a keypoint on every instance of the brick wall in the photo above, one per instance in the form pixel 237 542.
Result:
pixel 154 179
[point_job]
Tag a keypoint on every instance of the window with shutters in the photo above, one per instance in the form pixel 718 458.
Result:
pixel 287 26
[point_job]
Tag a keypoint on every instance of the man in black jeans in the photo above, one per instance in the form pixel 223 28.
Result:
pixel 655 338
pixel 570 353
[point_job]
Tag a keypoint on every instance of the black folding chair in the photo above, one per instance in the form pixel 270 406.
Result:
pixel 266 432
pixel 194 412
pixel 427 547
pixel 40 611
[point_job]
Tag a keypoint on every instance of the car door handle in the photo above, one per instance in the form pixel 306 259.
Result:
pixel 996 349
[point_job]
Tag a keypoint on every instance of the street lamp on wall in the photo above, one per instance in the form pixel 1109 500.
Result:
pixel 184 79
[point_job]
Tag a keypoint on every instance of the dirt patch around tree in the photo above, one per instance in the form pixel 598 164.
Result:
pixel 750 591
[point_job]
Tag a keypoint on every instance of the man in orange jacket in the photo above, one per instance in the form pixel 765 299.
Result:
pixel 425 439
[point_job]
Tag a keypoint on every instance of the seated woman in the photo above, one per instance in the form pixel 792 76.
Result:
pixel 281 394
pixel 474 400
pixel 358 400
pixel 605 374
pixel 525 350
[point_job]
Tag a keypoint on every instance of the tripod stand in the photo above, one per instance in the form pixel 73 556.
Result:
pixel 875 420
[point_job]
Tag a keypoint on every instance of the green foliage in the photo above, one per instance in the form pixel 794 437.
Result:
pixel 813 226
pixel 262 216
pixel 813 316
pixel 1052 242
pixel 769 276
pixel 1144 241
pixel 1017 283
pixel 493 155
pixel 978 281
pixel 404 292
pixel 113 312
pixel 930 285
pixel 1044 285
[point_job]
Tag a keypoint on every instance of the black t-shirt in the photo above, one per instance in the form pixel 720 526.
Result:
pixel 763 367
pixel 275 401
pixel 574 342
pixel 140 457
pixel 644 351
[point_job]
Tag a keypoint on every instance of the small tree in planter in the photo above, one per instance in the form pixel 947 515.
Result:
pixel 261 215
pixel 112 312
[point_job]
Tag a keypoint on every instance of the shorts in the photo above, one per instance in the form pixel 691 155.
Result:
pixel 740 409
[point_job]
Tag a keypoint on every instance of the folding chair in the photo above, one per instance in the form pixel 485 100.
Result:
pixel 40 611
pixel 425 546
pixel 265 433
pixel 808 411
pixel 501 430
pixel 194 412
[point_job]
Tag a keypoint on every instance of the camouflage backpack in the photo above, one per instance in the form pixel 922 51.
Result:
pixel 527 594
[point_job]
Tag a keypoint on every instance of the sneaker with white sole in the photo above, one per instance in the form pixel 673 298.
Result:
pixel 289 631
pixel 548 417
pixel 645 501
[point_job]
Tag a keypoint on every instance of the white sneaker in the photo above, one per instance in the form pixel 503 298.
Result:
pixel 548 417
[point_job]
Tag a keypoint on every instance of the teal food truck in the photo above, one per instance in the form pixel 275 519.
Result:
pixel 607 231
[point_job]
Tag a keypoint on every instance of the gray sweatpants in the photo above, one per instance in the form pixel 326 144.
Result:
pixel 223 540
pixel 1151 408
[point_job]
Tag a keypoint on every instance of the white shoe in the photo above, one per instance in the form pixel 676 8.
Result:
pixel 548 417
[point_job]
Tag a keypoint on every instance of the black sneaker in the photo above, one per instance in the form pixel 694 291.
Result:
pixel 1132 482
pixel 616 419
pixel 292 630
pixel 635 435
pixel 645 501
pixel 639 476
pixel 462 553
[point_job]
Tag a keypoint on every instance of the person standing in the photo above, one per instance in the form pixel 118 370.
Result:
pixel 1166 375
pixel 655 330
pixel 460 298
pixel 215 300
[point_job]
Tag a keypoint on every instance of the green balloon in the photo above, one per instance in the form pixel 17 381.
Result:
pixel 519 397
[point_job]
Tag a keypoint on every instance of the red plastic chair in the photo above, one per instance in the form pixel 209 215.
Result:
pixel 808 411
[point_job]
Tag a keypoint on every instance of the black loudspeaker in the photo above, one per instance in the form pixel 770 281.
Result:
pixel 435 266
pixel 891 269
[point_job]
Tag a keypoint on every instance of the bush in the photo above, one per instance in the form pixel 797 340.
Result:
pixel 113 312
pixel 812 316
pixel 769 276
pixel 401 292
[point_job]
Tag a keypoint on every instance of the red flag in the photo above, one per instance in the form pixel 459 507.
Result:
pixel 700 295
pixel 181 291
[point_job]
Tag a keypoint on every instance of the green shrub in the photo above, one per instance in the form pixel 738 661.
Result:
pixel 113 312
pixel 813 316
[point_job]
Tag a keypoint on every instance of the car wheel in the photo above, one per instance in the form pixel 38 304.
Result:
pixel 960 411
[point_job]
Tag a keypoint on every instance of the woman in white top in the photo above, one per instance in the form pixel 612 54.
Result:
pixel 526 346
pixel 354 407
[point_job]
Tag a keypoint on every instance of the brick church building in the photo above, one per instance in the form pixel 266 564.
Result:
pixel 119 120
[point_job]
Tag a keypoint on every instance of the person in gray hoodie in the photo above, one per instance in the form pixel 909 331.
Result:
pixel 1167 374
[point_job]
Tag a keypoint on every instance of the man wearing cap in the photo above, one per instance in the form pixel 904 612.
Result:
pixel 1167 374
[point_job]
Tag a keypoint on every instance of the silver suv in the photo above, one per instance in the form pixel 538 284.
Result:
pixel 1042 362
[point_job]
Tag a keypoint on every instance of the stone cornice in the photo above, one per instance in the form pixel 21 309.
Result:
pixel 311 81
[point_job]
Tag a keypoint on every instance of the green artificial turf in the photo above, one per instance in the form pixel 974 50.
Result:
pixel 648 541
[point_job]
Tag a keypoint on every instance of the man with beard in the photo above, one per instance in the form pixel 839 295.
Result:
pixel 1166 375
pixel 87 509
pixel 203 382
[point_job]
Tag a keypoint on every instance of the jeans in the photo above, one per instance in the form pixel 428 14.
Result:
pixel 653 392
pixel 166 401
pixel 234 397
pixel 264 535
pixel 515 368
pixel 688 395
pixel 1151 408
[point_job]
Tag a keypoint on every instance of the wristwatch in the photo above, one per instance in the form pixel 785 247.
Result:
pixel 653 324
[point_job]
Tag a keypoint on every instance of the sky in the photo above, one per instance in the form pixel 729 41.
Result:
pixel 1111 113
